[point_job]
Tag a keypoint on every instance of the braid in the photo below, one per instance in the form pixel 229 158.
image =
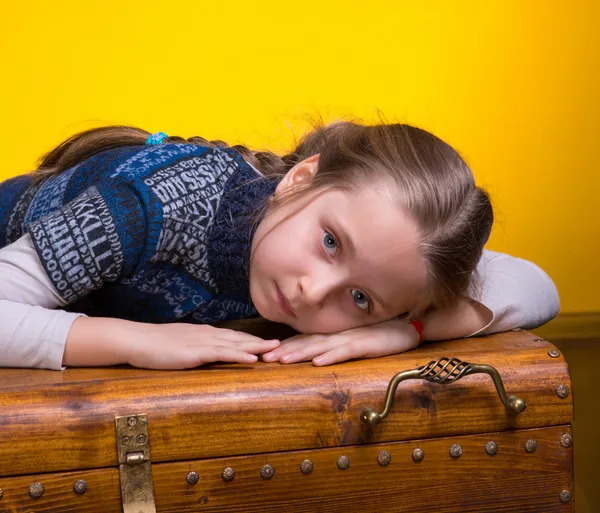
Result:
pixel 268 163
pixel 86 144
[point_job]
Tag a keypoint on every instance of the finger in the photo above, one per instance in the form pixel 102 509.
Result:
pixel 311 351
pixel 358 348
pixel 254 347
pixel 336 355
pixel 237 336
pixel 208 354
pixel 290 346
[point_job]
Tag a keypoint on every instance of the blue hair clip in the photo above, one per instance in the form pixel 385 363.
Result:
pixel 156 138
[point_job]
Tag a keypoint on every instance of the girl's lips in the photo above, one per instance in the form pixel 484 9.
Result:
pixel 283 303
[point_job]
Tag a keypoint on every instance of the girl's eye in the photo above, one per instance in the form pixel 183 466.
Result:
pixel 330 243
pixel 361 299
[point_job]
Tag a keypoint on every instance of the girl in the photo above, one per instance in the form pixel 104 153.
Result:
pixel 126 247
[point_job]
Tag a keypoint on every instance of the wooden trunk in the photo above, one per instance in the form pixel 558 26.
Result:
pixel 293 438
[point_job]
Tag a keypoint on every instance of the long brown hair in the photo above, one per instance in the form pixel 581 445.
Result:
pixel 426 176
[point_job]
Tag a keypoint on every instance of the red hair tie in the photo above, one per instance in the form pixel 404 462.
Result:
pixel 420 328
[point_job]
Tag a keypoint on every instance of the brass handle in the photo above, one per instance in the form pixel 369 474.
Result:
pixel 445 370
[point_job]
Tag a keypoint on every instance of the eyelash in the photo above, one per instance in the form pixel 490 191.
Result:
pixel 328 233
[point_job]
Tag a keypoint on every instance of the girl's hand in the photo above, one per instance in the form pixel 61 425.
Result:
pixel 385 338
pixel 102 341
pixel 183 346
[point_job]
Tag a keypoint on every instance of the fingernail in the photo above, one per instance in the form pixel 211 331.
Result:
pixel 251 358
pixel 267 357
pixel 286 358
pixel 318 361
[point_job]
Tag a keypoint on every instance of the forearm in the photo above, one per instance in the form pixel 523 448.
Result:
pixel 98 342
pixel 466 316
pixel 32 336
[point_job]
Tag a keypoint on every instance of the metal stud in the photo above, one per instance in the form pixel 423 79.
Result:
pixel 566 440
pixel 306 467
pixel 267 471
pixel 36 490
pixel 566 496
pixel 192 478
pixel 531 445
pixel 562 391
pixel 343 462
pixel 384 458
pixel 418 454
pixel 554 353
pixel 228 474
pixel 456 451
pixel 80 486
pixel 132 421
pixel 491 447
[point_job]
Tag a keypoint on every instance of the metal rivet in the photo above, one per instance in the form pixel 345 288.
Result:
pixel 1 493
pixel 566 496
pixel 343 462
pixel 228 474
pixel 531 445
pixel 140 439
pixel 456 451
pixel 540 340
pixel 267 471
pixel 418 454
pixel 306 467
pixel 517 329
pixel 384 458
pixel 80 486
pixel 192 478
pixel 566 440
pixel 491 447
pixel 554 353
pixel 562 391
pixel 36 490
pixel 132 421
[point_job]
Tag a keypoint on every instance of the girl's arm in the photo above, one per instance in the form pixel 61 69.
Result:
pixel 32 335
pixel 514 293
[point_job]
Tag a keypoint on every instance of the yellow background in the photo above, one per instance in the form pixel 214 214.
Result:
pixel 513 85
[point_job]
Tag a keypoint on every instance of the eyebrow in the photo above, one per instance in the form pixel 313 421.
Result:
pixel 347 241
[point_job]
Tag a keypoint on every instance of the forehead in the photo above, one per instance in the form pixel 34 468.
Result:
pixel 385 241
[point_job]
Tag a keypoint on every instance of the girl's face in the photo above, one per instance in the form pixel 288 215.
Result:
pixel 331 261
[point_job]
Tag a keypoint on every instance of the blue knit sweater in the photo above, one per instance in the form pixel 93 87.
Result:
pixel 157 233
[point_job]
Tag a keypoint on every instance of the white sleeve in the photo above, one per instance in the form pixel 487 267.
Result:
pixel 517 292
pixel 31 335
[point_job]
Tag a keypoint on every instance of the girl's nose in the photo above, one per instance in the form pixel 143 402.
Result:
pixel 316 287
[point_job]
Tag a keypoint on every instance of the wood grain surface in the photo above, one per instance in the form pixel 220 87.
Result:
pixel 59 421
pixel 512 480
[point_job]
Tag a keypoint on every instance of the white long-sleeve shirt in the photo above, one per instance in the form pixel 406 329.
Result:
pixel 33 330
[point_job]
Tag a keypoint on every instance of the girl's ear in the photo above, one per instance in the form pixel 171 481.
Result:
pixel 301 173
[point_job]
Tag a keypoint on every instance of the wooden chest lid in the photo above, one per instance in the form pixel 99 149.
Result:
pixel 57 421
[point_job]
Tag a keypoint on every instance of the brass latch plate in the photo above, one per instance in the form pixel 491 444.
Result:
pixel 135 470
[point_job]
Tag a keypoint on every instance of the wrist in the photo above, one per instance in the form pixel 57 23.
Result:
pixel 419 328
pixel 459 320
pixel 407 331
pixel 98 341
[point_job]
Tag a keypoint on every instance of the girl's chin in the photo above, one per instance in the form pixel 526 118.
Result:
pixel 263 310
